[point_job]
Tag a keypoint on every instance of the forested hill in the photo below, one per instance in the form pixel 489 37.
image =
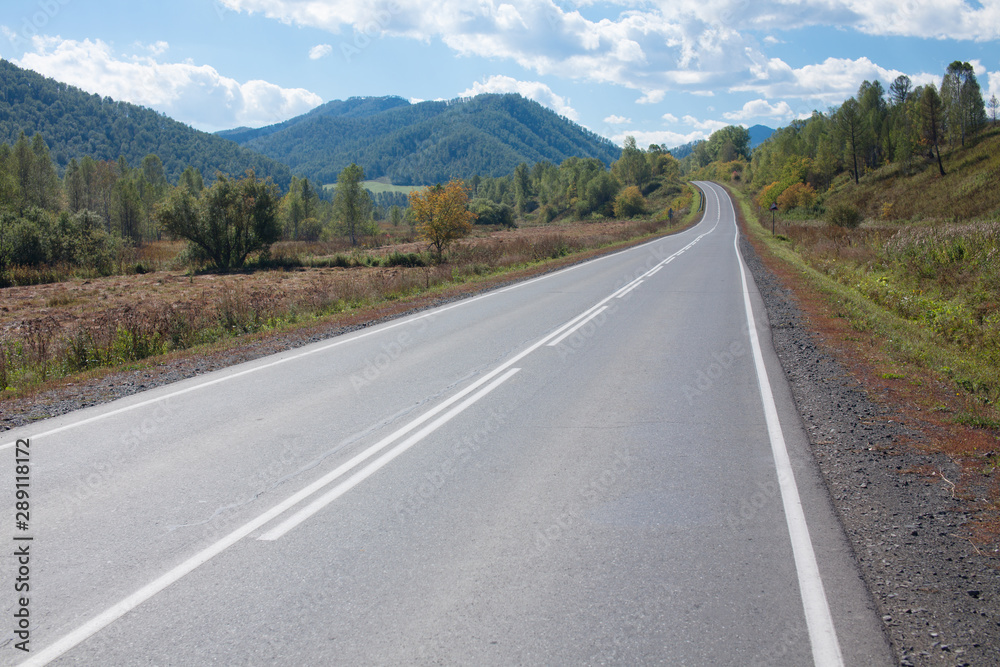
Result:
pixel 75 124
pixel 425 143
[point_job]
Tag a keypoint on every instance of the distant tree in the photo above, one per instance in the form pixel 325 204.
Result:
pixel 522 188
pixel 127 210
pixel 900 89
pixel 993 105
pixel 932 121
pixel 852 130
pixel 396 216
pixel 228 222
pixel 874 117
pixel 965 112
pixel 442 214
pixel 631 168
pixel 729 143
pixel 351 202
pixel 192 181
pixel 45 187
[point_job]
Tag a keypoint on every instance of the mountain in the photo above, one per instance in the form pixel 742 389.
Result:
pixel 75 124
pixel 424 143
pixel 759 134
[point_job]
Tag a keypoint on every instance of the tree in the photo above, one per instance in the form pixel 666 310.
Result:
pixel 932 121
pixel 127 210
pixel 900 89
pixel 351 201
pixel 442 214
pixel 963 101
pixel 729 143
pixel 228 222
pixel 631 168
pixel 192 181
pixel 522 188
pixel 993 105
pixel 852 130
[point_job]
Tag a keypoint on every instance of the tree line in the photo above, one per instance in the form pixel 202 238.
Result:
pixel 903 124
pixel 99 208
pixel 76 123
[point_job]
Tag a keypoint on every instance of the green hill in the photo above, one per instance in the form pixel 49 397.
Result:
pixel 424 143
pixel 76 124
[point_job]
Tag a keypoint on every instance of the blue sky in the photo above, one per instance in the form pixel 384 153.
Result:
pixel 664 71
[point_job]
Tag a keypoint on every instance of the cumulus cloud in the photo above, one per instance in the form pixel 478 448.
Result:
pixel 617 120
pixel 650 46
pixel 661 138
pixel 319 51
pixel 195 94
pixel 533 90
pixel 761 109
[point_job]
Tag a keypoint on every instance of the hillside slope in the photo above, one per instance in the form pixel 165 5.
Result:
pixel 427 142
pixel 969 190
pixel 76 124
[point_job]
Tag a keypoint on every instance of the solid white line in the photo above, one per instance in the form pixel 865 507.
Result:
pixel 632 287
pixel 822 634
pixel 379 463
pixel 569 332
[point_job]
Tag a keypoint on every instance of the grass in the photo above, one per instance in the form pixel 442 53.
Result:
pixel 913 309
pixel 378 187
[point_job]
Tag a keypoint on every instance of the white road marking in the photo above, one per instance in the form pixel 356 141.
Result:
pixel 116 611
pixel 822 634
pixel 569 332
pixel 631 287
pixel 379 463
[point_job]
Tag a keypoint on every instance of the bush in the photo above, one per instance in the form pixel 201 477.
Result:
pixel 799 195
pixel 629 203
pixel 843 215
pixel 408 259
pixel 490 213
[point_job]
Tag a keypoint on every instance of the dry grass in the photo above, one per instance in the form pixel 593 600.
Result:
pixel 55 330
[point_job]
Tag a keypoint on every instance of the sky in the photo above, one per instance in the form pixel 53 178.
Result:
pixel 664 71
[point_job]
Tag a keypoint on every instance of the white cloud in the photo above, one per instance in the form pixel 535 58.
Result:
pixel 651 46
pixel 706 126
pixel 761 108
pixel 662 138
pixel 320 50
pixel 617 120
pixel 533 90
pixel 195 94
pixel 670 118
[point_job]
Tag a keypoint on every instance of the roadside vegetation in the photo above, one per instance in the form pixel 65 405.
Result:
pixel 888 208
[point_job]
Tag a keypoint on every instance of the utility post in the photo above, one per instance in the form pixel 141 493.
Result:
pixel 774 207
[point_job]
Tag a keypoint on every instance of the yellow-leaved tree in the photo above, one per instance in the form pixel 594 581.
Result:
pixel 442 214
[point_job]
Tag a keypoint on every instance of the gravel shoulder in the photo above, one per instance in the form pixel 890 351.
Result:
pixel 937 593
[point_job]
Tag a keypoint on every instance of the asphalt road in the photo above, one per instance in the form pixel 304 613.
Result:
pixel 601 465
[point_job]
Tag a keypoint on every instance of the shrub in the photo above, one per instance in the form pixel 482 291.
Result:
pixel 843 215
pixel 629 203
pixel 799 195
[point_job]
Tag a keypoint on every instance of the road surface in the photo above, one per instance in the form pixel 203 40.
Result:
pixel 602 465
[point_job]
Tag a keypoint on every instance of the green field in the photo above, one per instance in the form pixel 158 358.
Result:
pixel 378 187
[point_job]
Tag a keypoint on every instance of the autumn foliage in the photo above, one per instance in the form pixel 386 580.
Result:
pixel 442 214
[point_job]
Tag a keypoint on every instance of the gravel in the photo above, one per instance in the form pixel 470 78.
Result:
pixel 937 594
